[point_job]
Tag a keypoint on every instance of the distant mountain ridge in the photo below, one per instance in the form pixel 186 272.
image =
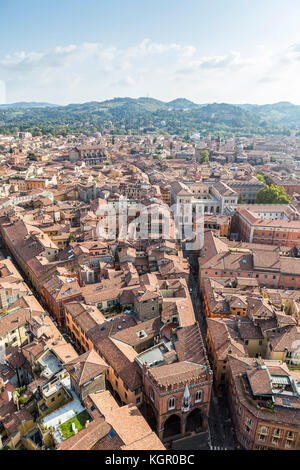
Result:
pixel 28 105
pixel 179 116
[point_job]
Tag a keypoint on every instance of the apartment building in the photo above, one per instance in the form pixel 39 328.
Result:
pixel 268 224
pixel 264 398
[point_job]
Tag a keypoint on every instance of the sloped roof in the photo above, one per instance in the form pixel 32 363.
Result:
pixel 86 367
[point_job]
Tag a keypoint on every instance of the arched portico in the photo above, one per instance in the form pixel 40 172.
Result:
pixel 172 426
pixel 194 421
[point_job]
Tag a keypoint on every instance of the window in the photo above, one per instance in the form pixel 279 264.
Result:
pixel 275 440
pixel 171 403
pixel 198 396
pixel 249 422
pixel 111 433
pixel 246 441
pixel 151 395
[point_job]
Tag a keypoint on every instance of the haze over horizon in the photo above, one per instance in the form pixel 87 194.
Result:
pixel 44 103
pixel 76 51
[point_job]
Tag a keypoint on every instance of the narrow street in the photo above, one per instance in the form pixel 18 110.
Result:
pixel 220 427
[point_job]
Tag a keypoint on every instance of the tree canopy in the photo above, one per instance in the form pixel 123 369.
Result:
pixel 204 156
pixel 273 195
pixel 261 177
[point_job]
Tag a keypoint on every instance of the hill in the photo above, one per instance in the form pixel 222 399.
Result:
pixel 179 116
pixel 27 105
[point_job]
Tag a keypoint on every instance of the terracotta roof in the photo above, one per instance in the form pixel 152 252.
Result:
pixel 86 438
pixel 132 428
pixel 176 373
pixel 104 401
pixel 86 367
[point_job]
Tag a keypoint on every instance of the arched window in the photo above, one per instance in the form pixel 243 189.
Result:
pixel 198 396
pixel 171 403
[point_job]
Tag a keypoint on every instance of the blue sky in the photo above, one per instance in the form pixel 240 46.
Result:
pixel 218 51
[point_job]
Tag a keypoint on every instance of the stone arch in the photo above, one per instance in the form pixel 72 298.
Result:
pixel 194 421
pixel 172 426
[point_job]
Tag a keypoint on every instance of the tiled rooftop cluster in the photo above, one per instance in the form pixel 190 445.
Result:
pixel 101 334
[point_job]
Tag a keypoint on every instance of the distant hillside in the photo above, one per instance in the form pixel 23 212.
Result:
pixel 179 116
pixel 27 104
pixel 182 103
pixel 284 113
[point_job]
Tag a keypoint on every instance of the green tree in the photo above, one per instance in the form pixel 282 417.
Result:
pixel 261 177
pixel 71 239
pixel 241 200
pixel 273 195
pixel 204 156
pixel 31 156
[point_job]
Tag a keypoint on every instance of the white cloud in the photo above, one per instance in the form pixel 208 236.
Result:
pixel 94 71
pixel 233 59
pixel 148 47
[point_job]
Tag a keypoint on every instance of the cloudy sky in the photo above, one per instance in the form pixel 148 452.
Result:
pixel 67 51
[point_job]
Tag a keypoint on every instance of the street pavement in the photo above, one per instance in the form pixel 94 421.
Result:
pixel 221 432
